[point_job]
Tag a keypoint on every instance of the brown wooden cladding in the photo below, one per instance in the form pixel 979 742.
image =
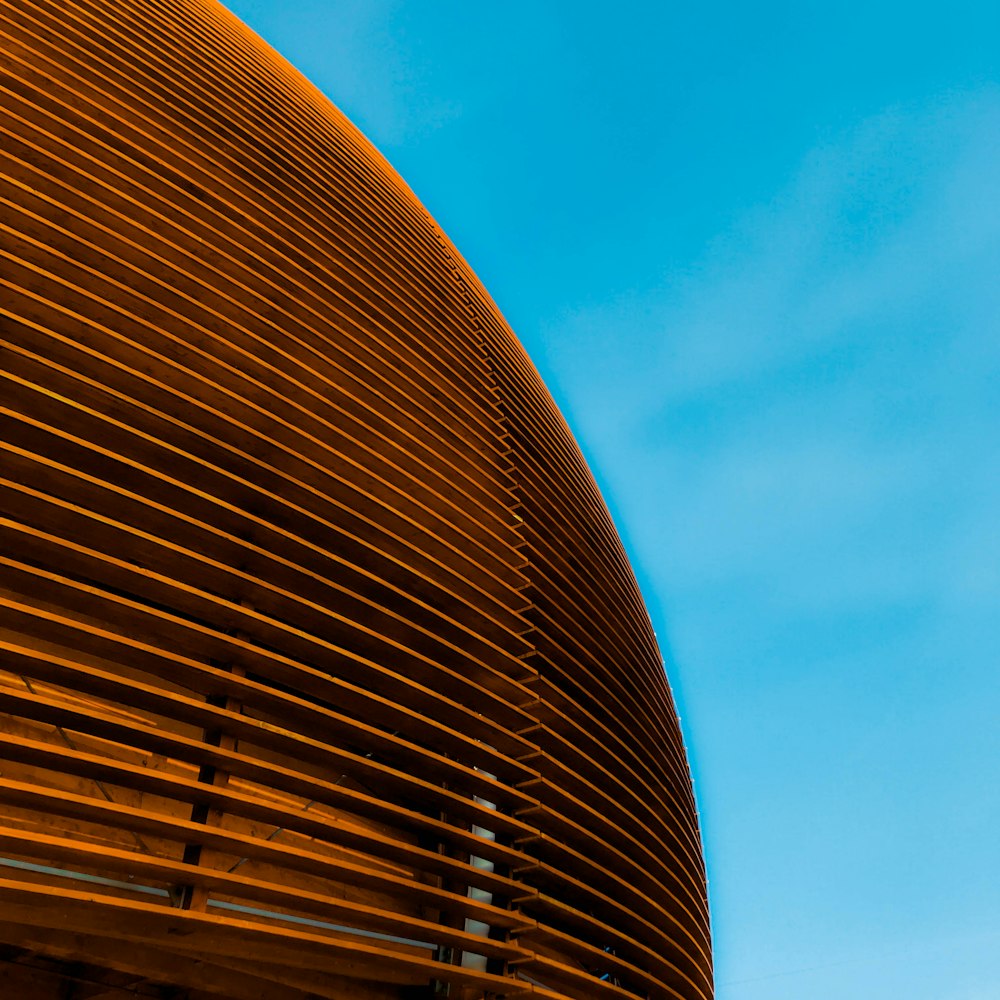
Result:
pixel 323 672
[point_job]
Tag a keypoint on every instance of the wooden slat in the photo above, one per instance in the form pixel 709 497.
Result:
pixel 323 671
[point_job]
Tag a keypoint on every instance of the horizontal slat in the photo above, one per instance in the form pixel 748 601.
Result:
pixel 309 603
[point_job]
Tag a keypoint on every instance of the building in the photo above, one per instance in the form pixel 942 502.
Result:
pixel 324 671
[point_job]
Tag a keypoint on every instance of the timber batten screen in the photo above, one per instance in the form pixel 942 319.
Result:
pixel 323 672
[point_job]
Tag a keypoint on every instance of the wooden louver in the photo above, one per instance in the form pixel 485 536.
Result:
pixel 323 671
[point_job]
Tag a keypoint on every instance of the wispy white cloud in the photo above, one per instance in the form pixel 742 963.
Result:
pixel 818 387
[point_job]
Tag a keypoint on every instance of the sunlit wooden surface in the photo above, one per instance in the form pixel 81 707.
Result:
pixel 324 673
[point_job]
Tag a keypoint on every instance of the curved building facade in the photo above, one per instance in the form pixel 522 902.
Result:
pixel 323 672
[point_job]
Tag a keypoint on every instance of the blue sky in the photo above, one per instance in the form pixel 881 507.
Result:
pixel 754 251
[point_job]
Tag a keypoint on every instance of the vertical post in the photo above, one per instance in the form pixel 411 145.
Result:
pixel 194 897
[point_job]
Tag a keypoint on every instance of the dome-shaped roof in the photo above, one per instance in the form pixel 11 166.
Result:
pixel 325 673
